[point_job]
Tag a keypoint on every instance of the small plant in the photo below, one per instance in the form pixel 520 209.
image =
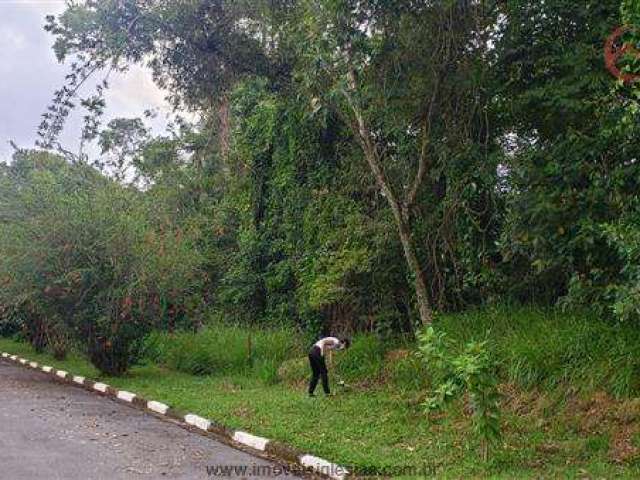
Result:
pixel 35 330
pixel 471 372
pixel 57 338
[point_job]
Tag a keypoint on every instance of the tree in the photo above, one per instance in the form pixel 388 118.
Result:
pixel 196 51
pixel 406 80
pixel 571 142
pixel 381 67
pixel 121 143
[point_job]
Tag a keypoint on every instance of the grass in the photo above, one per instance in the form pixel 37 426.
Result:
pixel 224 349
pixel 558 421
pixel 549 349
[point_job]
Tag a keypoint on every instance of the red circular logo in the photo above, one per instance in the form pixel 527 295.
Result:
pixel 615 48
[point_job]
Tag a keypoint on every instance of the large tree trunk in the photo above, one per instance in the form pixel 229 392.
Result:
pixel 402 222
pixel 400 211
pixel 408 247
pixel 420 285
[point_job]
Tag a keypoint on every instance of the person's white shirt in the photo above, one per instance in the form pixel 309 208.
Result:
pixel 329 343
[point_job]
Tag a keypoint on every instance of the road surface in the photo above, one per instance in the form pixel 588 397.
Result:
pixel 59 432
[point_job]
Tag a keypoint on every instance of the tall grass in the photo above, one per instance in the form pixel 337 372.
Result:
pixel 534 348
pixel 364 361
pixel 224 349
pixel 547 348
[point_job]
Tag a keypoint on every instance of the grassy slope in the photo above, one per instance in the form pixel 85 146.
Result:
pixel 549 434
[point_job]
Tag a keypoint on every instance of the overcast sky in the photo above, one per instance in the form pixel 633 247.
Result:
pixel 30 73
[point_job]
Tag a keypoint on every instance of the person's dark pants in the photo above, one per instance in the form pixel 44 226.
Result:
pixel 319 370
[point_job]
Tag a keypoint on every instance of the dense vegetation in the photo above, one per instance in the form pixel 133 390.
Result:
pixel 357 167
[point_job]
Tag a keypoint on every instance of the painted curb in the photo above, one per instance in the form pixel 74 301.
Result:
pixel 257 443
pixel 157 407
pixel 126 396
pixel 198 422
pixel 323 466
pixel 285 453
pixel 100 387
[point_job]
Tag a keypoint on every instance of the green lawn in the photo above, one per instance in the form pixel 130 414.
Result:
pixel 381 427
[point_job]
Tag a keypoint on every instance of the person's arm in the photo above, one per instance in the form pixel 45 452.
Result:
pixel 333 343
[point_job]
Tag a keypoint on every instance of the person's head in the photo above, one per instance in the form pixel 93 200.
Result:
pixel 346 342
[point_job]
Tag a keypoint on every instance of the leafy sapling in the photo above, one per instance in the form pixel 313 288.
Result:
pixel 471 372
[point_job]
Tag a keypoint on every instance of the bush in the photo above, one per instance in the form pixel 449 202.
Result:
pixel 10 321
pixel 87 257
pixel 408 373
pixel 471 372
pixel 267 371
pixel 35 330
pixel 624 295
pixel 191 354
pixel 58 338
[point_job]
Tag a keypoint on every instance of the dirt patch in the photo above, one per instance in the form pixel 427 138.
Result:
pixel 621 448
pixel 243 411
pixel 548 448
pixel 592 415
pixel 602 414
pixel 628 411
pixel 523 403
pixel 393 356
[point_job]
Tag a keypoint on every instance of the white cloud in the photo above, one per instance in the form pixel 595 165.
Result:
pixel 40 7
pixel 135 89
pixel 12 39
pixel 30 74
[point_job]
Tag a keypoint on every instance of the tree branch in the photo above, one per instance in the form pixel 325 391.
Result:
pixel 423 160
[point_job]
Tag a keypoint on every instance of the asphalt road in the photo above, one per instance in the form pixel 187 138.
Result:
pixel 49 430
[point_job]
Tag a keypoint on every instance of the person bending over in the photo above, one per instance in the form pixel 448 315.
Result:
pixel 318 364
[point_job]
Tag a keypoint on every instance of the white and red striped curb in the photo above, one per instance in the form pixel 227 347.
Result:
pixel 259 444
